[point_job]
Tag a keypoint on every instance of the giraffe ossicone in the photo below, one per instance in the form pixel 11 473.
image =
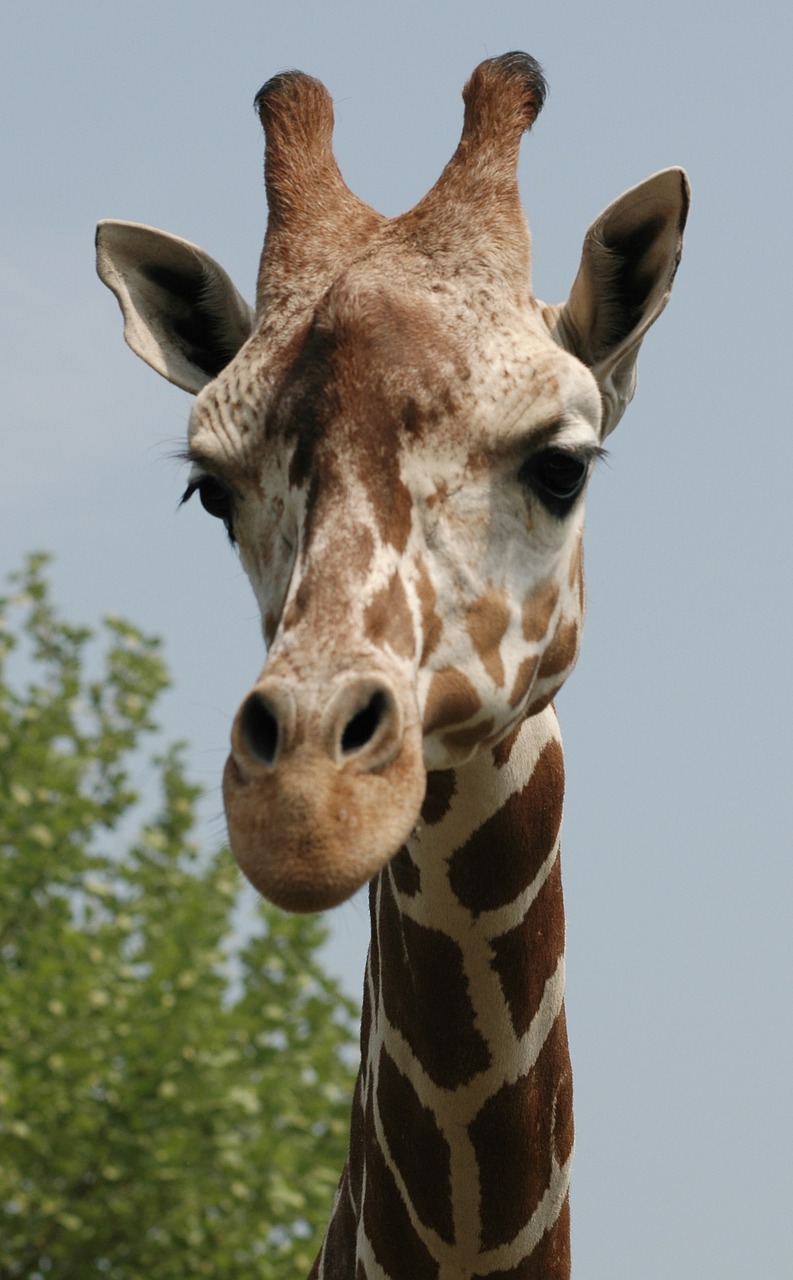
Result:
pixel 398 439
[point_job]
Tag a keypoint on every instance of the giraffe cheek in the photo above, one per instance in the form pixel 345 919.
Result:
pixel 560 655
pixel 451 700
pixel 556 664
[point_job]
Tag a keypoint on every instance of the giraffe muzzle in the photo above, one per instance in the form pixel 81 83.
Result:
pixel 361 727
pixel 323 785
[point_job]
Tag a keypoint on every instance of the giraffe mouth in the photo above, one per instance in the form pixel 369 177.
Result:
pixel 317 804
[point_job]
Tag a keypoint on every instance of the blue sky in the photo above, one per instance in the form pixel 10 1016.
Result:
pixel 678 866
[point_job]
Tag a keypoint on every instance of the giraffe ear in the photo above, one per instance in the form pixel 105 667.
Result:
pixel 629 260
pixel 182 314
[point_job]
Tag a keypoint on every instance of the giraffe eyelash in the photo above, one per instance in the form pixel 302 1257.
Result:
pixel 216 499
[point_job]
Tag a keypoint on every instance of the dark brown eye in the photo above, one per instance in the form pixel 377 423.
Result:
pixel 215 499
pixel 557 477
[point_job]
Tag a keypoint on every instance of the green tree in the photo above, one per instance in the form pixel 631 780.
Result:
pixel 165 1110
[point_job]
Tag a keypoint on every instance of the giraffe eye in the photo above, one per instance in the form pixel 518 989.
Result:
pixel 215 498
pixel 557 477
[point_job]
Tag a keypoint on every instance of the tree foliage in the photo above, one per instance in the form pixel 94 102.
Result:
pixel 156 1119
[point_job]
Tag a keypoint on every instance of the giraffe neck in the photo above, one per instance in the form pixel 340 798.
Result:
pixel 461 1135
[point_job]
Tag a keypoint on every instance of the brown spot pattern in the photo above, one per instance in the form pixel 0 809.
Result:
pixel 355 1158
pixel 407 876
pixel 431 624
pixel 388 619
pixel 341 1236
pixel 543 701
pixel 397 1248
pixel 575 571
pixel 452 699
pixel 486 621
pixel 537 610
pixel 412 418
pixel 549 1261
pixel 417 1147
pixel 464 739
pixel 425 997
pixel 503 750
pixel 392 504
pixel 373 957
pixel 523 680
pixel 306 400
pixel 503 856
pixel 561 652
pixel 526 957
pixel 441 790
pixel 525 1107
pixel 563 1128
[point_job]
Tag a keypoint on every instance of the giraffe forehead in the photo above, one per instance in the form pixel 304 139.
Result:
pixel 381 368
pixel 386 398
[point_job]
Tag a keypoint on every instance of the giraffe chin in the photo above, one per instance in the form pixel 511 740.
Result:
pixel 308 835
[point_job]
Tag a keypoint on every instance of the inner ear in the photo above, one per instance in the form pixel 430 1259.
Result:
pixel 629 265
pixel 630 256
pixel 189 305
pixel 631 253
pixel 182 314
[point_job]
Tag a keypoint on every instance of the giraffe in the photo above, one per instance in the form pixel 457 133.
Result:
pixel 398 440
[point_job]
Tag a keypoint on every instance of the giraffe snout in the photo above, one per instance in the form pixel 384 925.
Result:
pixel 264 722
pixel 359 726
pixel 324 782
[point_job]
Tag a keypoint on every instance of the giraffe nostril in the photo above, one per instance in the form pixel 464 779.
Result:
pixel 363 726
pixel 259 728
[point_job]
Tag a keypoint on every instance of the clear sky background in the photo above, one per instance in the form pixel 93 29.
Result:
pixel 678 848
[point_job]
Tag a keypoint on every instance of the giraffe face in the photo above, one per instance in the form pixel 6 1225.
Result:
pixel 406 494
pixel 398 440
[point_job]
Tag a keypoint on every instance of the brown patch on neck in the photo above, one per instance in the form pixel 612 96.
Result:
pixel 418 1149
pixel 441 790
pixel 502 857
pixel 503 749
pixel 452 699
pixel 523 1108
pixel 405 872
pixel 486 621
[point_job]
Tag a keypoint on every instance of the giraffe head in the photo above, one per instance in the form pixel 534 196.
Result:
pixel 398 440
